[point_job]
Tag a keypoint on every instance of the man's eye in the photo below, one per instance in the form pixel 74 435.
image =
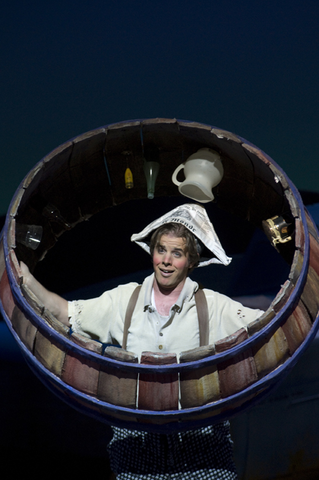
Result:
pixel 177 254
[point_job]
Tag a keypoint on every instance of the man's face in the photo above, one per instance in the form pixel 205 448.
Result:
pixel 170 262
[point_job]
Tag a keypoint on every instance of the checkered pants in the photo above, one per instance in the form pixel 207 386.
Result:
pixel 198 454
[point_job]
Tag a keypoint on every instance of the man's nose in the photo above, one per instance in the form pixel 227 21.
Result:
pixel 166 259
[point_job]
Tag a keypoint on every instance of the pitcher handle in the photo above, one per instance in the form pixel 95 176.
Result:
pixel 174 179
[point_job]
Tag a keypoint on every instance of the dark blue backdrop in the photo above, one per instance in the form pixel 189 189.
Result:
pixel 249 67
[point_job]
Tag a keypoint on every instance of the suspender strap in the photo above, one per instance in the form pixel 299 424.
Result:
pixel 202 313
pixel 129 313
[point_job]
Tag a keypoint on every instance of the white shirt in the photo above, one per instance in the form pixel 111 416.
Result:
pixel 102 318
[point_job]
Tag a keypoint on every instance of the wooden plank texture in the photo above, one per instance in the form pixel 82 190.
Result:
pixel 282 296
pixel 314 254
pixel 24 328
pixel 297 327
pixel 238 372
pixel 201 385
pixel 310 294
pixel 296 267
pixel 51 320
pixel 299 235
pixel 271 352
pixel 6 295
pixel 2 260
pixel 117 386
pixel 158 391
pixel 49 352
pixel 258 324
pixel 32 300
pixel 82 373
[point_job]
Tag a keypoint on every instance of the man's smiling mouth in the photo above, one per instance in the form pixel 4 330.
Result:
pixel 166 271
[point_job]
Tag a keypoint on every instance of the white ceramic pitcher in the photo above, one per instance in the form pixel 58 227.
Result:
pixel 203 170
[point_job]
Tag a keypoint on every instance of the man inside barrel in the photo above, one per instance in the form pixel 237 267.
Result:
pixel 165 319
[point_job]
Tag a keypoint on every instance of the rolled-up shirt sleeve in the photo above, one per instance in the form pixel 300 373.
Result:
pixel 101 318
pixel 227 315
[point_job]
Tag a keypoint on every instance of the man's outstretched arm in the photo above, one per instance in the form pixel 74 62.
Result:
pixel 57 305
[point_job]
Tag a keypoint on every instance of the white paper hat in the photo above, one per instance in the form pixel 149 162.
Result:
pixel 195 218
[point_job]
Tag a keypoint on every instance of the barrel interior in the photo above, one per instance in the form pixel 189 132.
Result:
pixel 86 176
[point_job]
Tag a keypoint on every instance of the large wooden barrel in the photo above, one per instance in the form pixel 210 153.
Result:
pixel 85 176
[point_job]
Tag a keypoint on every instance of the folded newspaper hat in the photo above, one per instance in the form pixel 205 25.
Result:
pixel 195 218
